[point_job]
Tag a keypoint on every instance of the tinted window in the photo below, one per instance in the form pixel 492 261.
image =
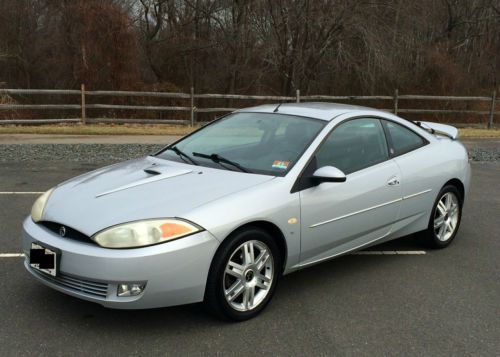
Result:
pixel 354 145
pixel 403 139
pixel 262 143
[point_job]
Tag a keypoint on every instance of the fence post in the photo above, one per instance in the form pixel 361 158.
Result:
pixel 492 111
pixel 396 94
pixel 193 108
pixel 297 96
pixel 82 103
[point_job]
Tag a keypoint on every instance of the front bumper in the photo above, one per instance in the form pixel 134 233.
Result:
pixel 175 273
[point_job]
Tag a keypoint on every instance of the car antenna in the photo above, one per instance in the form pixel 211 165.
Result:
pixel 277 107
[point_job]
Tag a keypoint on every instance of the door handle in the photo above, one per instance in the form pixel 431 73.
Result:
pixel 393 181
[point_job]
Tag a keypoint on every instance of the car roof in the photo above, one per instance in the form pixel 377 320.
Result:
pixel 317 110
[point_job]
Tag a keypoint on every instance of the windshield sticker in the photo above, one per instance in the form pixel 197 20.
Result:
pixel 280 164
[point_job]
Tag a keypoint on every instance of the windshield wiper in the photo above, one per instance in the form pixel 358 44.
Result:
pixel 219 159
pixel 182 154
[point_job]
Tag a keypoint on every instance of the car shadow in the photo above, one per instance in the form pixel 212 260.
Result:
pixel 48 304
pixel 410 242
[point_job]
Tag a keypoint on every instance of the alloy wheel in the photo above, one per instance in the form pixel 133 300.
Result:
pixel 248 275
pixel 446 216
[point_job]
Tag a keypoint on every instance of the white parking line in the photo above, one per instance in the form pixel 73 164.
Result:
pixel 390 252
pixel 366 252
pixel 20 193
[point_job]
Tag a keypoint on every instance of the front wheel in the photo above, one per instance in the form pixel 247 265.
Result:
pixel 243 275
pixel 445 218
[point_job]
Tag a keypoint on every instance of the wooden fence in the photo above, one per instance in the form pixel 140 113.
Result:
pixel 83 107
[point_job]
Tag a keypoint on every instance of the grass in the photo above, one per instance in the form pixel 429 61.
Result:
pixel 163 129
pixel 479 133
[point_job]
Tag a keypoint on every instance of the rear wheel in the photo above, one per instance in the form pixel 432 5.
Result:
pixel 243 275
pixel 445 218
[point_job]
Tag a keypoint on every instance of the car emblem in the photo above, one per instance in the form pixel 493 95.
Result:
pixel 62 231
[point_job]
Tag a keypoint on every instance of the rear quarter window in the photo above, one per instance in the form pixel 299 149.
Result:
pixel 403 139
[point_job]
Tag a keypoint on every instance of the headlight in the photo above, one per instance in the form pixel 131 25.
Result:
pixel 39 205
pixel 143 233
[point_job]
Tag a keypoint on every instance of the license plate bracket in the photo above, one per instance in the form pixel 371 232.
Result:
pixel 44 259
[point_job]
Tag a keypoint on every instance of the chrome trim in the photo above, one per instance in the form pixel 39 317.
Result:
pixel 416 194
pixel 369 208
pixel 354 213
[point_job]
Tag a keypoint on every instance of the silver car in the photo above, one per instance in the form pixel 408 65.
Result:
pixel 220 215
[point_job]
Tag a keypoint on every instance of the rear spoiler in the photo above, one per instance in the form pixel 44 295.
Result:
pixel 439 129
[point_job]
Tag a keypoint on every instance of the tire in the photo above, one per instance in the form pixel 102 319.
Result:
pixel 236 272
pixel 445 218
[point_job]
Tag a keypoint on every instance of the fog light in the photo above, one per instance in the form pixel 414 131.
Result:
pixel 130 289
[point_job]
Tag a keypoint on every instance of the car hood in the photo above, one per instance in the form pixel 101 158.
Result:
pixel 140 189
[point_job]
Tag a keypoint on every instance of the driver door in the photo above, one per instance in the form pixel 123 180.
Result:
pixel 338 217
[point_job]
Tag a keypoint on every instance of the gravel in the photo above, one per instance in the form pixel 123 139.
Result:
pixel 485 155
pixel 108 153
pixel 88 153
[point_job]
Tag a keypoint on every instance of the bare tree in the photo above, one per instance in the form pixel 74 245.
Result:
pixel 259 46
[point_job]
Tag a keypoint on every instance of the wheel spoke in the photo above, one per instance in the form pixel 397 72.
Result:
pixel 235 290
pixel 251 296
pixel 262 259
pixel 260 284
pixel 438 222
pixel 234 269
pixel 441 232
pixel 252 253
pixel 448 199
pixel 453 209
pixel 449 226
pixel 248 253
pixel 262 277
pixel 246 294
pixel 441 207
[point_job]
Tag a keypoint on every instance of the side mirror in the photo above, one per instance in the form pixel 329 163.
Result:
pixel 328 174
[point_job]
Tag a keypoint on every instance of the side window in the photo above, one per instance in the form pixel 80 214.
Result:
pixel 403 139
pixel 354 145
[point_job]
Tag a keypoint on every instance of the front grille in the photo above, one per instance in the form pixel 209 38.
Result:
pixel 70 232
pixel 88 287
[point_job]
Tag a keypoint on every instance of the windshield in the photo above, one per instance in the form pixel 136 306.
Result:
pixel 249 142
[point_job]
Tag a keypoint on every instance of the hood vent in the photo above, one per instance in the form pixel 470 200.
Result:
pixel 152 171
pixel 160 173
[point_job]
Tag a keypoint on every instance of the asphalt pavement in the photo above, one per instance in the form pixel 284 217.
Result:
pixel 444 302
